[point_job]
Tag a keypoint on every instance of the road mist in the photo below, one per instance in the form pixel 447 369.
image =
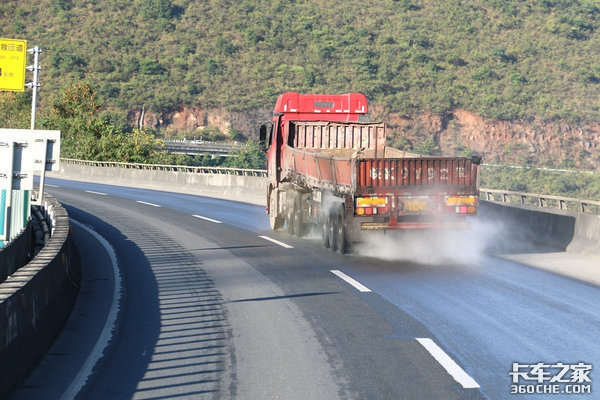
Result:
pixel 431 246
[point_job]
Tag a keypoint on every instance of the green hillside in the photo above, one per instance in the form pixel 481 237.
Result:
pixel 507 59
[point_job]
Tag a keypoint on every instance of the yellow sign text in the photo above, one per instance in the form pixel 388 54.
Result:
pixel 13 57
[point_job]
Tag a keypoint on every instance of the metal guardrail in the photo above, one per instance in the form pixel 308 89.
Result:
pixel 561 170
pixel 502 196
pixel 542 201
pixel 172 168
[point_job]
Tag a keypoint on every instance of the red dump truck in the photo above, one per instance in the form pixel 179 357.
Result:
pixel 329 167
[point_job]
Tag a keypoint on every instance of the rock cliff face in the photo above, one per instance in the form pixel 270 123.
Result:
pixel 194 120
pixel 457 133
pixel 460 132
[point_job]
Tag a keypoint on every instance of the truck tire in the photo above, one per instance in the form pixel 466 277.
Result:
pixel 275 219
pixel 294 213
pixel 324 222
pixel 332 228
pixel 341 244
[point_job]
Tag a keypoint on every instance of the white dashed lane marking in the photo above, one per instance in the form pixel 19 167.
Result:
pixel 208 219
pixel 148 204
pixel 448 363
pixel 351 281
pixel 287 246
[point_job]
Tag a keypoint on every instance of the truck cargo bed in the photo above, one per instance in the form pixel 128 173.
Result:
pixel 344 157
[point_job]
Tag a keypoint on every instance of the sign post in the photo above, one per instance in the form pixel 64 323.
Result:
pixel 35 84
pixel 13 57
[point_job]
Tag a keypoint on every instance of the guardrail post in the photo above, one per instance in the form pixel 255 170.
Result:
pixel 504 197
pixel 582 204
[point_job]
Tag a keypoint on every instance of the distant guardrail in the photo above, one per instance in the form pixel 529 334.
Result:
pixel 561 170
pixel 541 200
pixel 195 147
pixel 174 168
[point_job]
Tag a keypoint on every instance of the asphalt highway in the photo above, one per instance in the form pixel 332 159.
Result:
pixel 192 297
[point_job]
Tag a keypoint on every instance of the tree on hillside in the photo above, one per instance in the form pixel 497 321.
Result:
pixel 15 110
pixel 250 157
pixel 87 135
pixel 155 9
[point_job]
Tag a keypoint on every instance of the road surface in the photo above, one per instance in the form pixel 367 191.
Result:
pixel 192 297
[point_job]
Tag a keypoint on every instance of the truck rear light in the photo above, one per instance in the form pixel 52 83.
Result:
pixel 465 209
pixel 371 201
pixel 371 205
pixel 460 200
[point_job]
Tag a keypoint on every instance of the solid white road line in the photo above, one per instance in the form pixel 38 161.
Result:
pixel 148 204
pixel 109 326
pixel 448 363
pixel 207 219
pixel 351 281
pixel 99 193
pixel 287 246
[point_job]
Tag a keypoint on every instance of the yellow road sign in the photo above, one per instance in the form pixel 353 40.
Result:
pixel 13 57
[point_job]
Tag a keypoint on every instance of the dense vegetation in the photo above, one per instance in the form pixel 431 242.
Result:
pixel 574 184
pixel 89 133
pixel 505 59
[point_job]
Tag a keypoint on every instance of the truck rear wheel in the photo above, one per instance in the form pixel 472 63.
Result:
pixel 337 230
pixel 325 229
pixel 294 213
pixel 332 229
pixel 340 238
pixel 275 219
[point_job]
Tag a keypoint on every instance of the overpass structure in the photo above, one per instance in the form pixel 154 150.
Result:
pixel 558 223
pixel 199 147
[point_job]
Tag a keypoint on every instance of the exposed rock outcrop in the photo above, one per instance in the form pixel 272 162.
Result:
pixel 456 133
pixel 551 143
pixel 195 119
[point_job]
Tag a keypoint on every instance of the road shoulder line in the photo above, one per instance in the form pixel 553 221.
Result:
pixel 109 326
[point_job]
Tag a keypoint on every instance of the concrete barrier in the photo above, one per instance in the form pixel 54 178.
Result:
pixel 559 230
pixel 554 230
pixel 17 253
pixel 36 301
pixel 249 189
